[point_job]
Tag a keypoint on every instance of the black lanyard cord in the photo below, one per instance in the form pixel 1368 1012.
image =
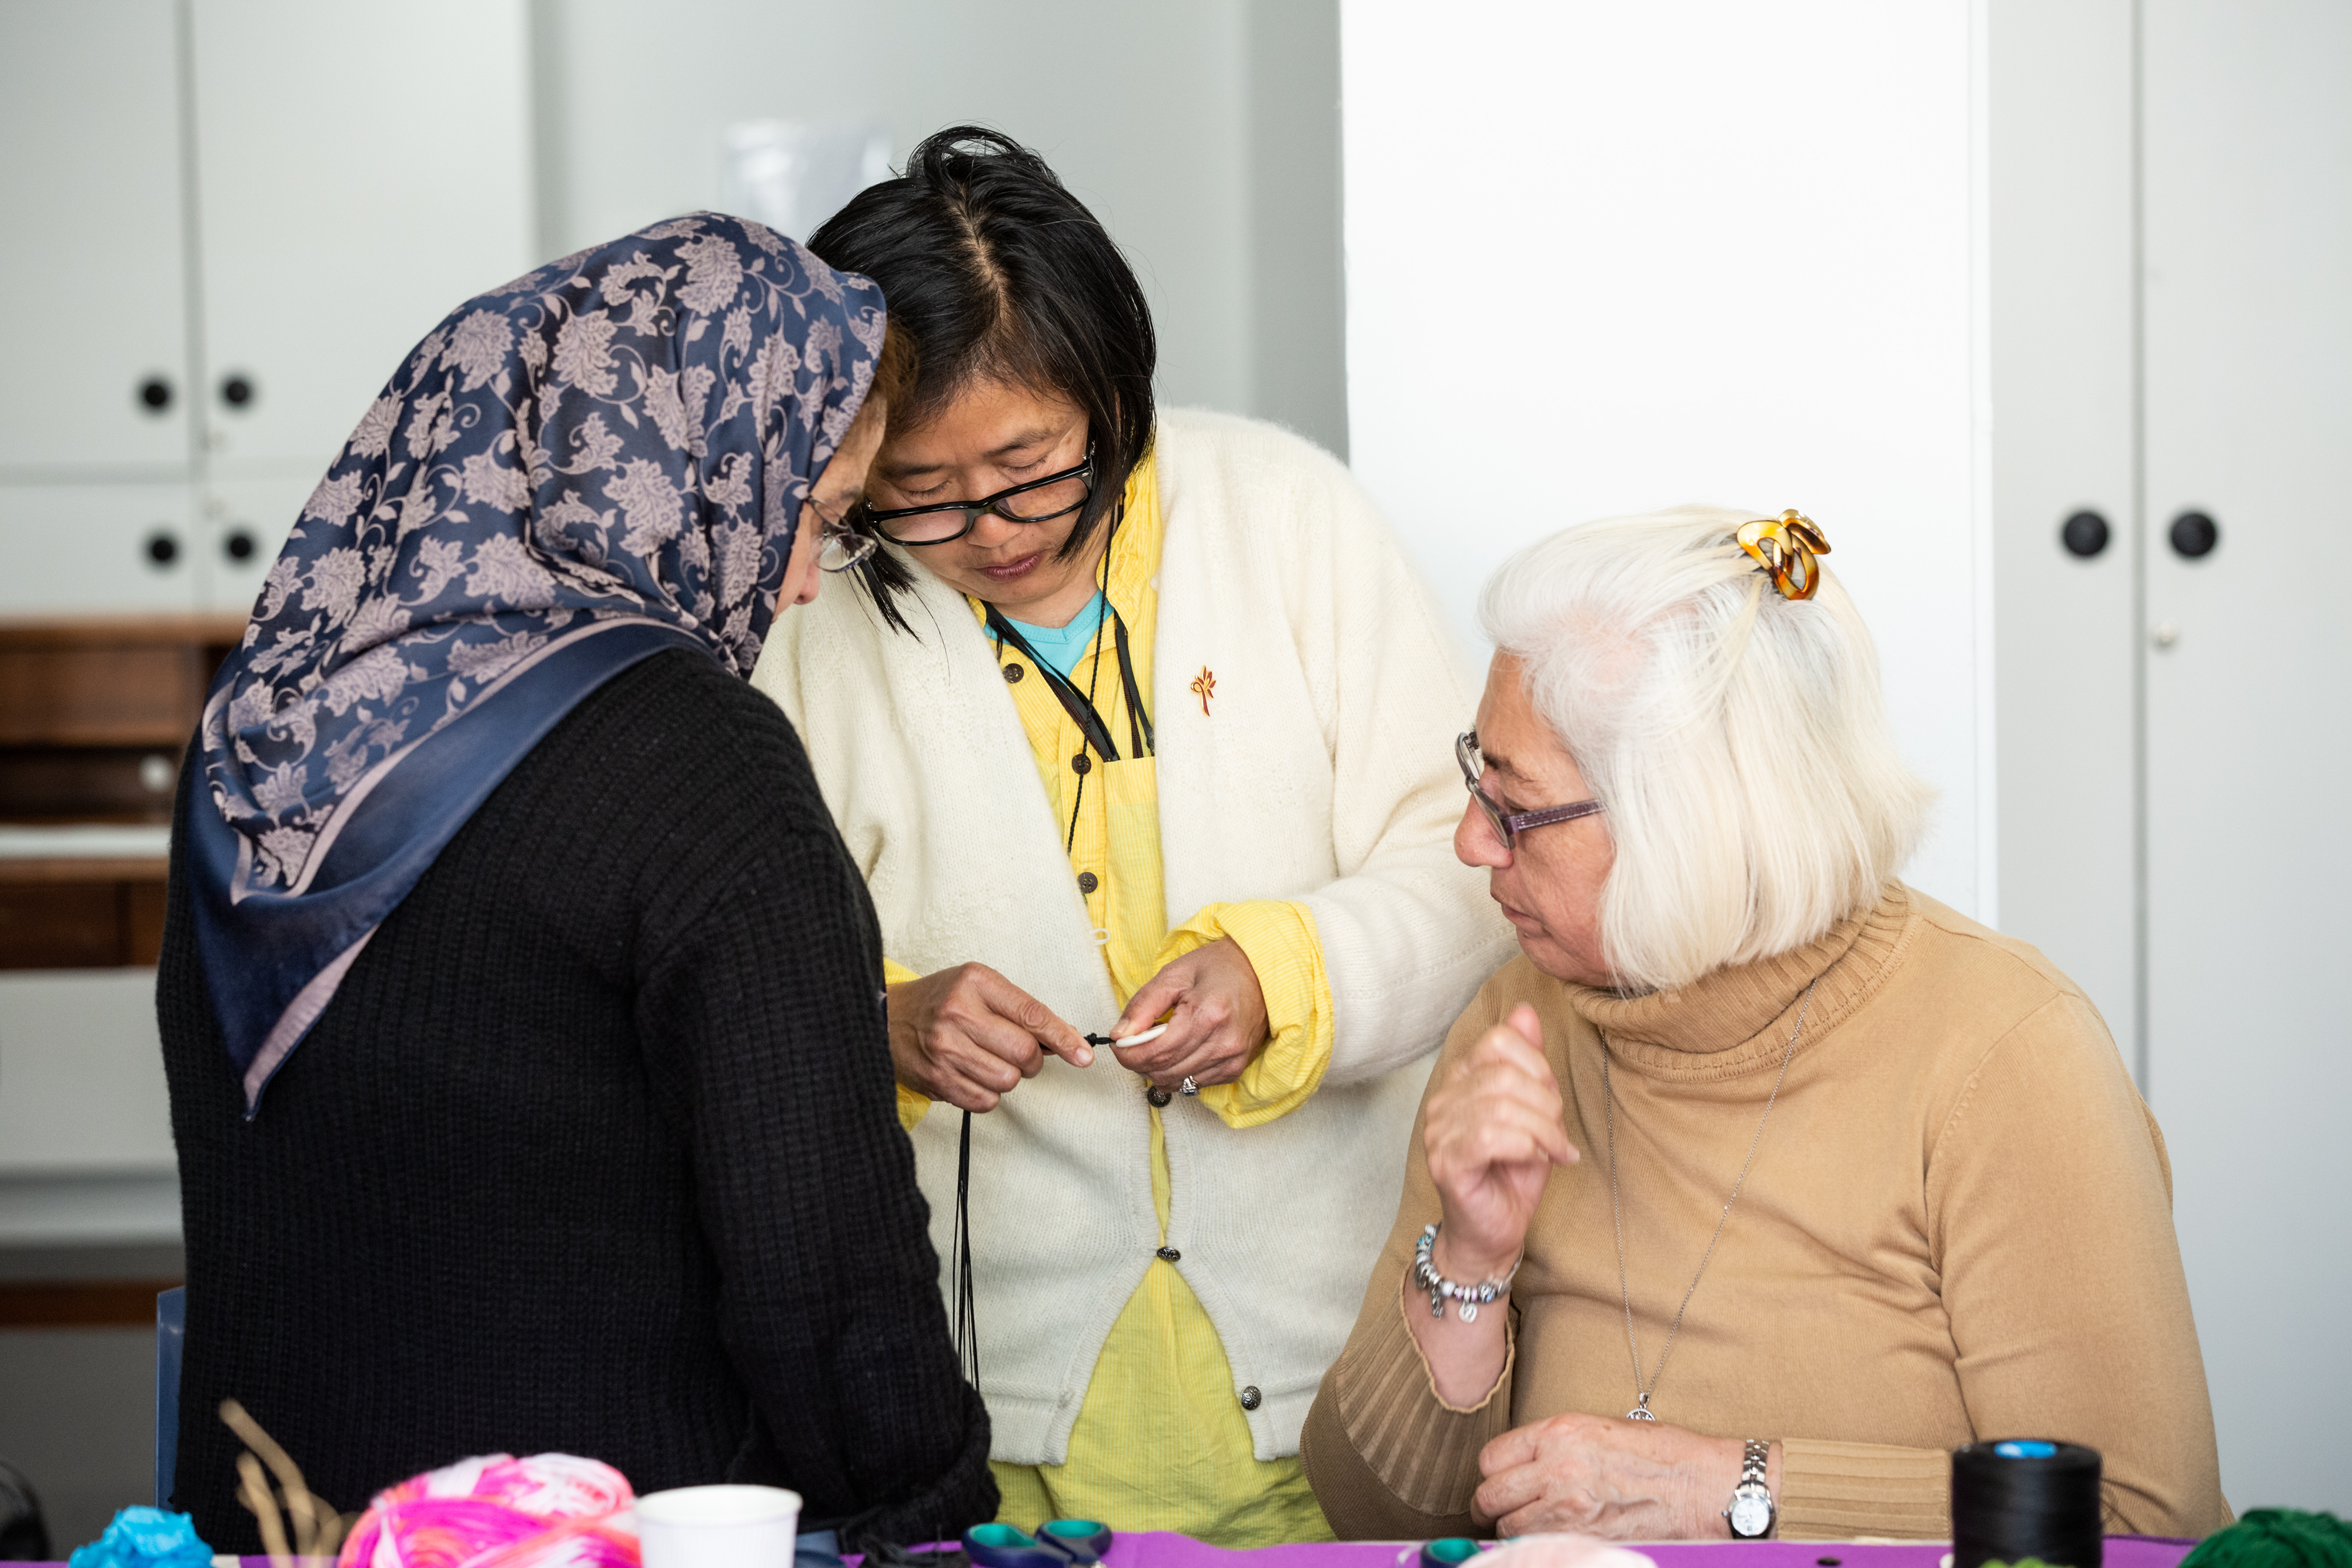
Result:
pixel 1080 706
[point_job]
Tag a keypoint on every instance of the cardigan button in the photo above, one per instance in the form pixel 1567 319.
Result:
pixel 1158 1096
pixel 1087 882
pixel 1082 764
pixel 1251 1398
pixel 1013 674
pixel 1169 1255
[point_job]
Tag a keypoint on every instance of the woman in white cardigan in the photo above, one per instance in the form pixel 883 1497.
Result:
pixel 1196 634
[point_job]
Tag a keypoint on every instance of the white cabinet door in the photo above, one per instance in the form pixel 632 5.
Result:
pixel 91 267
pixel 2062 252
pixel 243 524
pixel 100 548
pixel 362 169
pixel 82 1075
pixel 2248 159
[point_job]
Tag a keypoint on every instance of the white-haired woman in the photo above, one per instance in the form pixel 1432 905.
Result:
pixel 1806 1179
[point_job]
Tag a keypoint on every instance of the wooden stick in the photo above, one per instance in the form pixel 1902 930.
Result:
pixel 318 1527
pixel 254 1493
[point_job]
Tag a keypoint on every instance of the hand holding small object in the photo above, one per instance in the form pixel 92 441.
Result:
pixel 1215 1022
pixel 968 1036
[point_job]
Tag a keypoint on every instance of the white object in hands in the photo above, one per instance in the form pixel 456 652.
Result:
pixel 719 1527
pixel 1146 1038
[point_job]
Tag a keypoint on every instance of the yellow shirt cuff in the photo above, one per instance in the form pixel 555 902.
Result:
pixel 912 1107
pixel 1279 938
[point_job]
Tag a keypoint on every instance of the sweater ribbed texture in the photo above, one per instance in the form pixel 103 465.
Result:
pixel 594 1151
pixel 1958 1227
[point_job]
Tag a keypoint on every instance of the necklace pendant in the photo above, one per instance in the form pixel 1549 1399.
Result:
pixel 1640 1412
pixel 1468 1312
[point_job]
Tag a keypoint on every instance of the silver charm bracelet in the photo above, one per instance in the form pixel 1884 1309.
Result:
pixel 1468 1298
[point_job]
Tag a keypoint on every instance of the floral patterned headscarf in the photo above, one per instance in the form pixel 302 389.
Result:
pixel 601 460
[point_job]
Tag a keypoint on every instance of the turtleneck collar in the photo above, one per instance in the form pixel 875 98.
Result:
pixel 1737 1018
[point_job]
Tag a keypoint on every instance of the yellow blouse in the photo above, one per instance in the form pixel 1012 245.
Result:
pixel 1160 1442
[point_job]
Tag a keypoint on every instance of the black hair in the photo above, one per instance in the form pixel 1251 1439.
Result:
pixel 992 271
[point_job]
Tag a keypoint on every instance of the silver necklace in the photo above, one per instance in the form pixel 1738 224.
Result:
pixel 1640 1411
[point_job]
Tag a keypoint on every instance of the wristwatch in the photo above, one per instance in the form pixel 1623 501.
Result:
pixel 1752 1513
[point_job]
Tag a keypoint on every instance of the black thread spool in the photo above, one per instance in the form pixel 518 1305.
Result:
pixel 2026 1497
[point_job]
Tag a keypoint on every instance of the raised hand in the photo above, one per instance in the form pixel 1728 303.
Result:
pixel 1494 1130
pixel 1491 1131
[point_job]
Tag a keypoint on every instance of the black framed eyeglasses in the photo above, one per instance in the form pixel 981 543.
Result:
pixel 1508 828
pixel 839 546
pixel 1038 501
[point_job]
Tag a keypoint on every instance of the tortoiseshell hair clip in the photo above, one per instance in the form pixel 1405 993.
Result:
pixel 1784 546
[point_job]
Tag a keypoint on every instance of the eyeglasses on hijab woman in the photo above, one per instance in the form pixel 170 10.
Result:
pixel 517 995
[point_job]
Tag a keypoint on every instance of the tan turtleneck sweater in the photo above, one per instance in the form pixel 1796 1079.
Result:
pixel 1958 1226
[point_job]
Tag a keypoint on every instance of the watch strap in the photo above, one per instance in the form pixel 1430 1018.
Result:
pixel 1756 1459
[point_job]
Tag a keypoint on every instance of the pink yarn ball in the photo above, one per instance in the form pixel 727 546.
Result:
pixel 549 1510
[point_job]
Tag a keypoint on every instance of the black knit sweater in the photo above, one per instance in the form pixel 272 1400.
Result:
pixel 594 1151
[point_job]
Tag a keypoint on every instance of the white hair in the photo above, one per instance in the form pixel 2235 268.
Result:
pixel 1738 740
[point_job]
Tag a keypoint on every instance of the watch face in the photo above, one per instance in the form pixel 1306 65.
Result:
pixel 1752 1514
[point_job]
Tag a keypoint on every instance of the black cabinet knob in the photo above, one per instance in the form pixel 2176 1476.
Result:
pixel 162 548
pixel 156 394
pixel 237 390
pixel 238 544
pixel 2085 534
pixel 2194 535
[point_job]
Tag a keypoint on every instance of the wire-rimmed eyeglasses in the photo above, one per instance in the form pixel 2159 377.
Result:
pixel 840 547
pixel 1508 828
pixel 1038 501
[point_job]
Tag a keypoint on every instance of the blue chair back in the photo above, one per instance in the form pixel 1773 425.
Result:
pixel 171 1329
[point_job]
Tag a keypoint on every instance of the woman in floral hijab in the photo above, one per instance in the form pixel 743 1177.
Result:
pixel 589 1145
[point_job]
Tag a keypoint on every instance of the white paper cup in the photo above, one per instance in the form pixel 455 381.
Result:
pixel 719 1527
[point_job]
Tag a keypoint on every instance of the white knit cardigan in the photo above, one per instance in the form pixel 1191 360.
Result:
pixel 1323 772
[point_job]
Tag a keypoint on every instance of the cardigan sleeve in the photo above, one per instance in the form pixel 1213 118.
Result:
pixel 768 1013
pixel 913 1104
pixel 1279 938
pixel 1408 933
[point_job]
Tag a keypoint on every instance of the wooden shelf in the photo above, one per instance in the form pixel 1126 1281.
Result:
pixel 95 717
pixel 109 681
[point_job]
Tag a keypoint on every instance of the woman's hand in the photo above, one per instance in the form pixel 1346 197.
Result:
pixel 1217 1025
pixel 1494 1129
pixel 967 1035
pixel 1627 1481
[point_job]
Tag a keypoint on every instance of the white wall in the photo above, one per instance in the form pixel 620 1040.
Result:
pixel 1203 135
pixel 1606 258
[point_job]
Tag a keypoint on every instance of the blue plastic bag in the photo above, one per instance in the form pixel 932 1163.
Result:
pixel 146 1538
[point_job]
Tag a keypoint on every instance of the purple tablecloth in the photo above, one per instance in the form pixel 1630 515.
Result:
pixel 1156 1549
